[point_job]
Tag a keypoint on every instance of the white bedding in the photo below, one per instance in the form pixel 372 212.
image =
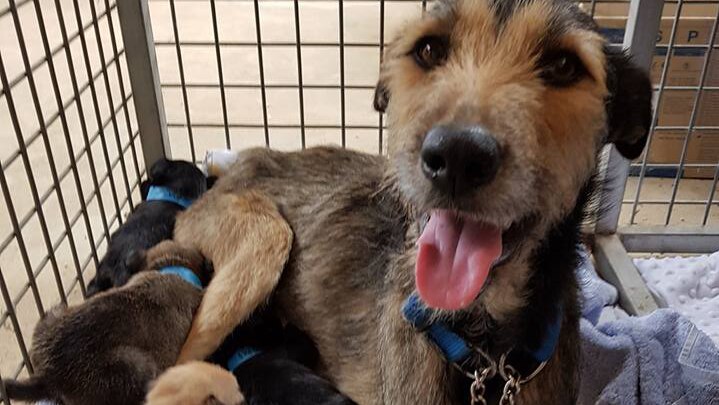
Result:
pixel 688 284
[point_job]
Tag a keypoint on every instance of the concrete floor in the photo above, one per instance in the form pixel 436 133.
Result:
pixel 695 191
pixel 319 23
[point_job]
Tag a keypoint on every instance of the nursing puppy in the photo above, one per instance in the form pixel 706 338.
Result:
pixel 273 364
pixel 270 364
pixel 107 349
pixel 172 185
pixel 465 237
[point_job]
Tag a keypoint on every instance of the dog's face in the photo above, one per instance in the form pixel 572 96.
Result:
pixel 183 178
pixel 497 110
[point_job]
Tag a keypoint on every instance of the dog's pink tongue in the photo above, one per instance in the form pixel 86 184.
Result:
pixel 455 255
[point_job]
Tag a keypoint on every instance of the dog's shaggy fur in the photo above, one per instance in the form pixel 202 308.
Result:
pixel 107 349
pixel 538 77
pixel 150 223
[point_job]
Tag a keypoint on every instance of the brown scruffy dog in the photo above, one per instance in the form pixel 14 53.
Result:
pixel 195 383
pixel 107 349
pixel 456 254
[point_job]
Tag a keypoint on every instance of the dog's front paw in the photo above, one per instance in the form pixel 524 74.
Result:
pixel 195 383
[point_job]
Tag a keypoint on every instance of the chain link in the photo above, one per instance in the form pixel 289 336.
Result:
pixel 478 387
pixel 512 387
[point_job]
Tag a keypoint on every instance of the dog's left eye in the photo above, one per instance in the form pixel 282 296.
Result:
pixel 562 69
pixel 430 52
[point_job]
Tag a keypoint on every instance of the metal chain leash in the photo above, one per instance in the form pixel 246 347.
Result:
pixel 512 387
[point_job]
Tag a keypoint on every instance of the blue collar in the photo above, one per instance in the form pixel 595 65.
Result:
pixel 160 193
pixel 184 273
pixel 453 347
pixel 241 355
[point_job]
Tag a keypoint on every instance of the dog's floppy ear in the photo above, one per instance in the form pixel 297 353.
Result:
pixel 381 96
pixel 629 108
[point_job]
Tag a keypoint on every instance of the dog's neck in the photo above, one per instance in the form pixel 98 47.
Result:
pixel 165 194
pixel 184 273
pixel 161 258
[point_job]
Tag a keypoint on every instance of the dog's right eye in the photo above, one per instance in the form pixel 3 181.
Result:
pixel 430 52
pixel 562 69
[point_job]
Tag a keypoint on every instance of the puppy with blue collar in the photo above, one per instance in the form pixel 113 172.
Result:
pixel 109 348
pixel 262 362
pixel 273 364
pixel 171 187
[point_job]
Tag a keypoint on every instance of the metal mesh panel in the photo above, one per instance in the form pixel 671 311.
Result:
pixel 670 202
pixel 287 74
pixel 685 112
pixel 70 161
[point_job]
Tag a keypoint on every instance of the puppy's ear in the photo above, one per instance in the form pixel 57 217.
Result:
pixel 206 270
pixel 144 189
pixel 381 96
pixel 98 284
pixel 211 181
pixel 629 107
pixel 135 261
pixel 159 171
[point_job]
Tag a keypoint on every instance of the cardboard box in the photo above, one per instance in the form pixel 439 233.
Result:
pixel 676 108
pixel 620 8
pixel 703 148
pixel 690 30
pixel 685 67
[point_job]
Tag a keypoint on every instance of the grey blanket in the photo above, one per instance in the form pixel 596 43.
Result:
pixel 658 359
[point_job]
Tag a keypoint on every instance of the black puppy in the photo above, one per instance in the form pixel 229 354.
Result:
pixel 273 364
pixel 171 187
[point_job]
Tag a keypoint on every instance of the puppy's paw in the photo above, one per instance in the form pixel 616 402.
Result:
pixel 195 383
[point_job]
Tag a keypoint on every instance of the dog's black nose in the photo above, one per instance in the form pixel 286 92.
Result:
pixel 457 159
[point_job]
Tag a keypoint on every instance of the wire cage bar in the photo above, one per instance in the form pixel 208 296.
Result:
pixel 624 206
pixel 92 91
pixel 695 229
pixel 70 168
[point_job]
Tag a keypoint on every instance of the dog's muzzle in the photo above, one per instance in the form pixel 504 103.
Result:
pixel 457 160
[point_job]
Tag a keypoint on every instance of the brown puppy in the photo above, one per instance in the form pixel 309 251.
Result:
pixel 497 111
pixel 195 383
pixel 107 349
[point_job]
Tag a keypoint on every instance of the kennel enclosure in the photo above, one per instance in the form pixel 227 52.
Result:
pixel 95 90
